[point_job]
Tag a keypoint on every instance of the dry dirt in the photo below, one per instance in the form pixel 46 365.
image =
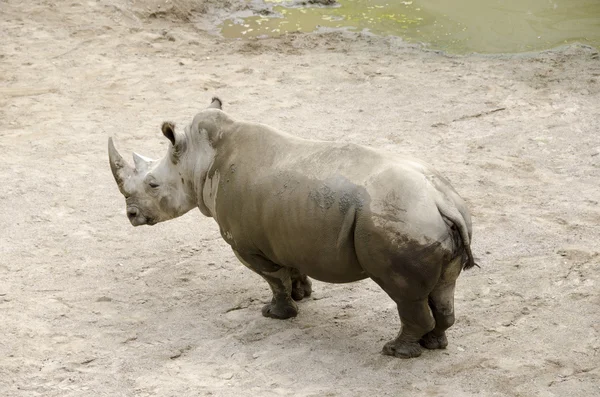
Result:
pixel 90 306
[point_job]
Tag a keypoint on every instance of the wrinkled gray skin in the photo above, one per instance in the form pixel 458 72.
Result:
pixel 292 208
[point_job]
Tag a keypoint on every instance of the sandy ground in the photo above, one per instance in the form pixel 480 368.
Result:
pixel 90 306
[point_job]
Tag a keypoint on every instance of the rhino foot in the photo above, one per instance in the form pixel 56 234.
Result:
pixel 402 349
pixel 431 341
pixel 280 309
pixel 301 288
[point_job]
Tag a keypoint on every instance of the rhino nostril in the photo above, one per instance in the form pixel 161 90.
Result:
pixel 132 212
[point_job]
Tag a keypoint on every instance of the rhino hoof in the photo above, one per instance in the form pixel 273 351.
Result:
pixel 431 341
pixel 280 311
pixel 402 349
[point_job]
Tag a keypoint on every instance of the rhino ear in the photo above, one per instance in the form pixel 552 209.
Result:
pixel 168 130
pixel 216 103
pixel 177 140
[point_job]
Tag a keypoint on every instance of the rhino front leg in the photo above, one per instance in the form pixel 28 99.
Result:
pixel 282 305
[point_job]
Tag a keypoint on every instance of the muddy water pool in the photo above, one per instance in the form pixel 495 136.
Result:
pixel 456 26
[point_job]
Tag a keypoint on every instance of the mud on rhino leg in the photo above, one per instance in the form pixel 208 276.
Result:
pixel 301 285
pixel 282 305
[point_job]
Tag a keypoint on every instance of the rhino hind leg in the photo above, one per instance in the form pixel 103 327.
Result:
pixel 410 290
pixel 279 278
pixel 417 320
pixel 301 286
pixel 441 302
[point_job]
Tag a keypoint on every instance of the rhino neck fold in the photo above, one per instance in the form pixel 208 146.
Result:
pixel 202 180
pixel 209 133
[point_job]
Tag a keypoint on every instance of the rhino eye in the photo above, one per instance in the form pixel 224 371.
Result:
pixel 153 185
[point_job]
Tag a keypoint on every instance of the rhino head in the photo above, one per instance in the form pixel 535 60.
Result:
pixel 159 190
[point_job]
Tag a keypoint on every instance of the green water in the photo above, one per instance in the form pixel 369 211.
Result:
pixel 457 26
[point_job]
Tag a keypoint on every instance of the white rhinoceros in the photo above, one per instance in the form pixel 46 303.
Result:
pixel 292 208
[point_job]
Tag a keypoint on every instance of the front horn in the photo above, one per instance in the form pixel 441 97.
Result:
pixel 119 167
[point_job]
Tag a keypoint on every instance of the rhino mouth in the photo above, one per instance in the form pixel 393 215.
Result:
pixel 142 220
pixel 137 218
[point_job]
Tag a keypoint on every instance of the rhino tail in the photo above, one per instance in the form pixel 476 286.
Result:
pixel 450 212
